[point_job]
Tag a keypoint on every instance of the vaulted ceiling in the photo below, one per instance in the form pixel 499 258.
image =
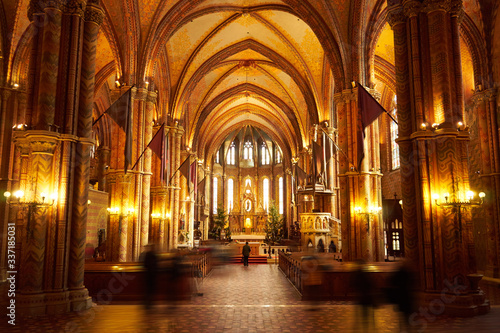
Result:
pixel 219 65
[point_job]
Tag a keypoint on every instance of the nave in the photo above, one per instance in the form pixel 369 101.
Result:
pixel 257 298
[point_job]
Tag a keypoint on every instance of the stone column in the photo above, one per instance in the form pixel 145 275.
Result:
pixel 438 239
pixel 360 189
pixel 172 185
pixel 146 185
pixel 48 24
pixel 36 216
pixel 79 297
pixel 104 154
pixel 177 182
pixel 484 176
pixel 140 140
pixel 6 121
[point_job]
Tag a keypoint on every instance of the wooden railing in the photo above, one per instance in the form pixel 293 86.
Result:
pixel 291 268
pixel 201 265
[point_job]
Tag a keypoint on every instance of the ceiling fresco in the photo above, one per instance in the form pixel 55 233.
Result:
pixel 220 64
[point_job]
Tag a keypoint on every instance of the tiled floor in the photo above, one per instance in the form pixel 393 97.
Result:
pixel 246 299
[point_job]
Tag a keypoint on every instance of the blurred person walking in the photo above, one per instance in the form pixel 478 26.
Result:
pixel 150 262
pixel 364 289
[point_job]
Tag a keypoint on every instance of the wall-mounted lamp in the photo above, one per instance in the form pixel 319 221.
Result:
pixel 113 210
pixel 20 127
pixel 117 211
pixel 15 85
pixel 32 206
pixel 373 211
pixel 458 204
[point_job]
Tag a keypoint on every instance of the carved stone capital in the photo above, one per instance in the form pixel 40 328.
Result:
pixel 436 5
pixel 152 97
pixel 35 7
pixel 337 99
pixel 457 9
pixel 396 16
pixel 94 13
pixel 73 7
pixel 140 94
pixel 412 8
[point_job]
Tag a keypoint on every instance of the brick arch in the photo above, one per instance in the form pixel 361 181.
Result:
pixel 284 133
pixel 219 139
pixel 253 45
pixel 474 40
pixel 376 24
pixel 240 89
pixel 21 58
pixel 301 8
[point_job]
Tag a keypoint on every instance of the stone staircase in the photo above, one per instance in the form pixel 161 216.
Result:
pixel 252 260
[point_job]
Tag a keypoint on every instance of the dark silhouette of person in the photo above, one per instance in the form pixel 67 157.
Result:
pixel 150 262
pixel 246 253
pixel 364 289
pixel 332 248
pixel 402 283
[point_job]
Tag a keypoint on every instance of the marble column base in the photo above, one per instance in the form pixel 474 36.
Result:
pixel 80 299
pixel 432 304
pixel 30 305
pixel 57 302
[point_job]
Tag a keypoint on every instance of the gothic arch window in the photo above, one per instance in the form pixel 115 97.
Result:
pixel 248 182
pixel 215 196
pixel 231 158
pixel 396 246
pixel 248 150
pixel 265 194
pixel 217 159
pixel 394 136
pixel 281 201
pixel 278 156
pixel 264 154
pixel 230 194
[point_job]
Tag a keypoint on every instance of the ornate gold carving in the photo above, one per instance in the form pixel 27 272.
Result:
pixel 44 147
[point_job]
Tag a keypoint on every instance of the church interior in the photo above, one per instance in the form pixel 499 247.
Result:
pixel 196 124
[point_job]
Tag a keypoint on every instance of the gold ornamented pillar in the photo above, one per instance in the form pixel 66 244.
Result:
pixel 434 153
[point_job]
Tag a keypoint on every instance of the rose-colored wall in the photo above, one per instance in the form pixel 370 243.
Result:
pixel 97 215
